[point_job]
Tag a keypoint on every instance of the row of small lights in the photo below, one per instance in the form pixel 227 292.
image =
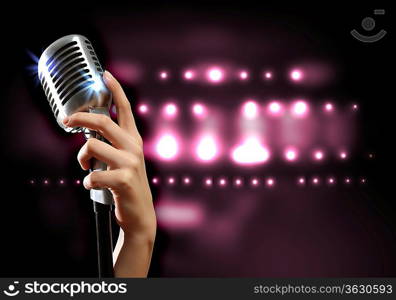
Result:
pixel 254 181
pixel 218 74
pixel 224 181
pixel 250 109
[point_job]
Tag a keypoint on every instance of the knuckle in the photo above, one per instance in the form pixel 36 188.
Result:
pixel 90 145
pixel 125 179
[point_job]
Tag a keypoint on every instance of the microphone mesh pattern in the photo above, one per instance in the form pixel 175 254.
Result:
pixel 71 76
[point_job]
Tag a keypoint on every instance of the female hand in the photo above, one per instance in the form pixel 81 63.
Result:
pixel 125 177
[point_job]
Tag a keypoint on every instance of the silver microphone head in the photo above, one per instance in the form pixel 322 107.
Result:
pixel 71 76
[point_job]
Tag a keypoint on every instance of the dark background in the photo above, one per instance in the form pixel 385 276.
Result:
pixel 44 235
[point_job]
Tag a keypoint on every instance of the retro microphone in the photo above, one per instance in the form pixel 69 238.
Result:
pixel 71 76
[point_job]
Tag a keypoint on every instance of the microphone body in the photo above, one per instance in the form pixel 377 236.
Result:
pixel 71 76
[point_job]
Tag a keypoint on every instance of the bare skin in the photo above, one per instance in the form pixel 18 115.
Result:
pixel 125 177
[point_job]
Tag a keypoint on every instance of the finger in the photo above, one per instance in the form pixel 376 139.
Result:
pixel 113 179
pixel 102 124
pixel 124 112
pixel 100 150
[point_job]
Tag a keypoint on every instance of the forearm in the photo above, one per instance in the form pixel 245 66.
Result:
pixel 132 255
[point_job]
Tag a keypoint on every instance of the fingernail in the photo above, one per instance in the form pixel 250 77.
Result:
pixel 85 182
pixel 66 120
pixel 107 76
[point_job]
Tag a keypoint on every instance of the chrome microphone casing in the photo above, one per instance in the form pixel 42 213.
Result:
pixel 71 76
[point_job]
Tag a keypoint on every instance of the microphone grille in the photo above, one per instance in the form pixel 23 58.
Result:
pixel 71 76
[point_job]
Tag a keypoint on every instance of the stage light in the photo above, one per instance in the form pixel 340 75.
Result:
pixel 167 147
pixel 78 181
pixel 199 110
pixel 250 152
pixel 250 110
pixel 238 182
pixel 296 75
pixel 243 75
pixel 46 181
pixel 329 107
pixel 61 181
pixel 301 181
pixel 343 155
pixel 363 180
pixel 186 180
pixel 275 108
pixel 348 180
pixel 179 215
pixel 355 107
pixel 143 108
pixel 255 182
pixel 171 180
pixel 371 155
pixel 331 180
pixel 155 180
pixel 206 149
pixel 291 154
pixel 318 155
pixel 163 75
pixel 270 182
pixel 215 75
pixel 170 110
pixel 208 181
pixel 222 182
pixel 268 75
pixel 300 108
pixel 315 180
pixel 189 75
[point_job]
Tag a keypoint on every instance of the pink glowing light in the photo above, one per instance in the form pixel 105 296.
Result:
pixel 363 180
pixel 155 180
pixel 255 182
pixel 78 181
pixel 163 75
pixel 207 149
pixel 329 107
pixel 331 180
pixel 275 108
pixel 250 110
pixel 215 75
pixel 268 75
pixel 171 180
pixel 348 180
pixel 167 147
pixel 250 152
pixel 291 154
pixel 222 182
pixel 270 182
pixel 296 75
pixel 46 181
pixel 186 180
pixel 61 181
pixel 318 155
pixel 301 180
pixel 179 215
pixel 300 108
pixel 170 110
pixel 315 180
pixel 238 182
pixel 208 181
pixel 355 107
pixel 199 110
pixel 343 155
pixel 189 75
pixel 32 181
pixel 243 75
pixel 143 108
